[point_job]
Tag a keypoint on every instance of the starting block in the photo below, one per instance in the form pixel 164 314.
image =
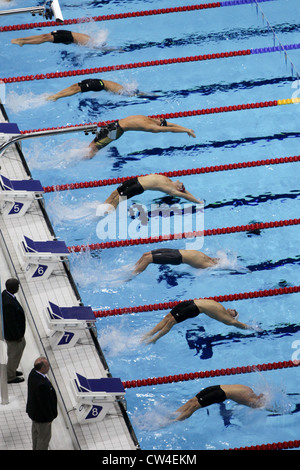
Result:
pixel 68 324
pixel 95 397
pixel 39 258
pixel 8 130
pixel 16 196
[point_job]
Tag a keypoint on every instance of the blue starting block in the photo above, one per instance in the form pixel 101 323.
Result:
pixel 39 258
pixel 68 324
pixel 16 196
pixel 8 130
pixel 95 397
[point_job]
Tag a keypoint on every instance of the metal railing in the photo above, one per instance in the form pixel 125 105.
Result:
pixel 82 128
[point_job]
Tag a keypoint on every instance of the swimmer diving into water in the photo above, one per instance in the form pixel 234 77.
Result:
pixel 239 393
pixel 115 130
pixel 193 258
pixel 94 84
pixel 134 186
pixel 57 37
pixel 190 309
pixel 62 36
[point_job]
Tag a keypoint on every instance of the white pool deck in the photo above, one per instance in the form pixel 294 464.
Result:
pixel 114 432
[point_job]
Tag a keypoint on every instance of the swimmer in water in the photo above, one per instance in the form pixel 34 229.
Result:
pixel 115 130
pixel 190 309
pixel 57 37
pixel 193 258
pixel 134 186
pixel 94 84
pixel 241 394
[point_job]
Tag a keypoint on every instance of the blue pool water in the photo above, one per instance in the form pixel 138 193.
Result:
pixel 251 261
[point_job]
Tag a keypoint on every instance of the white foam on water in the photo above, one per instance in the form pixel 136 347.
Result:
pixel 45 156
pixel 61 213
pixel 18 103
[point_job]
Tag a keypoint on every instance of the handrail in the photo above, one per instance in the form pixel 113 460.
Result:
pixel 84 127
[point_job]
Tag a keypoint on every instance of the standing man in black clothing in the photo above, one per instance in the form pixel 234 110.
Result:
pixel 41 404
pixel 14 330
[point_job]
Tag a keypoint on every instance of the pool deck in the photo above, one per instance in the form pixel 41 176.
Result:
pixel 114 432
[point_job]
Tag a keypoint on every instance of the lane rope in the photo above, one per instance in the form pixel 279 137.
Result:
pixel 210 373
pixel 136 14
pixel 151 63
pixel 175 173
pixel 217 298
pixel 184 235
pixel 283 445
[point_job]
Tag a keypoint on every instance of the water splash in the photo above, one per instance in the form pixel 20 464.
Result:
pixel 98 38
pixel 61 212
pixel 114 341
pixel 153 420
pixel 6 4
pixel 276 398
pixel 129 88
pixel 85 269
pixel 105 278
pixel 63 155
pixel 229 261
pixel 19 103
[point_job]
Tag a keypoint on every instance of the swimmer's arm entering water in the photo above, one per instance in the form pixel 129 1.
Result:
pixel 171 127
pixel 216 311
pixel 184 194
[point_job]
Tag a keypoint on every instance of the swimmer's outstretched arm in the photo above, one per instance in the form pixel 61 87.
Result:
pixel 172 191
pixel 171 127
pixel 216 311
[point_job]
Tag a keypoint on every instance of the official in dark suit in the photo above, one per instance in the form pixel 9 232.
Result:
pixel 41 404
pixel 14 323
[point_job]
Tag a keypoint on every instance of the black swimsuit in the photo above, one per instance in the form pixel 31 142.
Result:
pixel 130 188
pixel 107 134
pixel 91 84
pixel 210 395
pixel 184 310
pixel 166 256
pixel 62 36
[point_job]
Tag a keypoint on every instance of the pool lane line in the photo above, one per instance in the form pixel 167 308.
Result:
pixel 184 235
pixel 210 373
pixel 151 63
pixel 180 114
pixel 175 173
pixel 135 14
pixel 281 445
pixel 218 298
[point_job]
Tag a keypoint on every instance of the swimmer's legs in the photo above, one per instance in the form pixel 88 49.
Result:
pixel 69 91
pixel 162 328
pixel 143 263
pixel 39 39
pixel 114 199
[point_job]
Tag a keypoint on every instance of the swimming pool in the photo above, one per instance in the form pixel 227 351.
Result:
pixel 259 260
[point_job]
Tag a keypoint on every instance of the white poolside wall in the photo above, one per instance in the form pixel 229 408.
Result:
pixel 114 432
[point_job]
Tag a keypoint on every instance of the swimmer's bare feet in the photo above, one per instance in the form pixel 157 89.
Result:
pixel 19 42
pixel 191 133
pixel 51 98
